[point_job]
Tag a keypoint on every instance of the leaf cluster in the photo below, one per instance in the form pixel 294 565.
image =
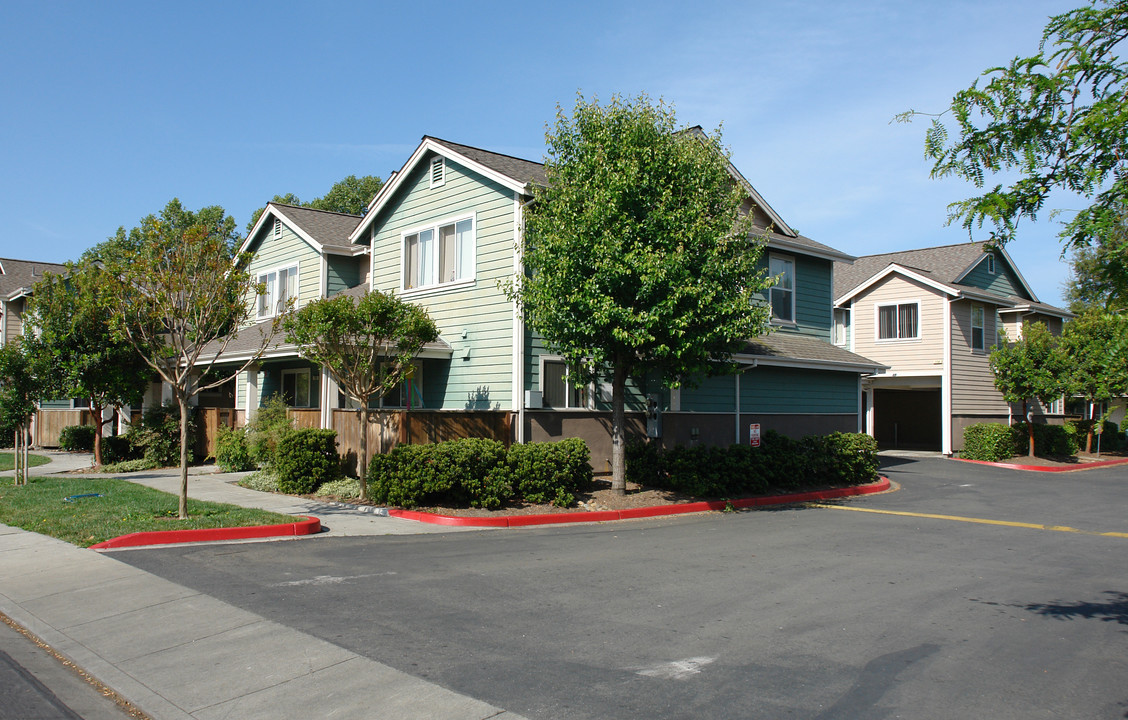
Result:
pixel 1032 367
pixel 349 195
pixel 1059 118
pixel 636 252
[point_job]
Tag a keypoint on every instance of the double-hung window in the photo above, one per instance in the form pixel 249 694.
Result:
pixel 281 285
pixel 438 255
pixel 977 320
pixel 898 322
pixel 557 389
pixel 782 294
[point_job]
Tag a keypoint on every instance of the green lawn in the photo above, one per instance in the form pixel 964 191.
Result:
pixel 123 508
pixel 7 463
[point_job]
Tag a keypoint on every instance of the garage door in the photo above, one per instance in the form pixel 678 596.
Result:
pixel 907 419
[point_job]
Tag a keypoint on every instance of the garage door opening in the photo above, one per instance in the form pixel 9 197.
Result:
pixel 907 419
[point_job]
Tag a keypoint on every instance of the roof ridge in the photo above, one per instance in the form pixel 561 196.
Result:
pixel 474 147
pixel 303 207
pixel 930 247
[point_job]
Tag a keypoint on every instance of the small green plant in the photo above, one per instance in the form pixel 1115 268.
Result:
pixel 263 481
pixel 990 442
pixel 77 438
pixel 126 466
pixel 232 452
pixel 269 424
pixel 157 438
pixel 345 488
pixel 306 458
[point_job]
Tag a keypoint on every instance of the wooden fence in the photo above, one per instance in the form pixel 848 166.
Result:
pixel 50 423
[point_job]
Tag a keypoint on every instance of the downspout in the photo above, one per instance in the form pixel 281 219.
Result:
pixel 946 382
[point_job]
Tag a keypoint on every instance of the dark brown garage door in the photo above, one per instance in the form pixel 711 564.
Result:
pixel 907 419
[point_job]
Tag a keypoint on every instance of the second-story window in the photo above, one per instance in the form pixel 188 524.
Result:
pixel 440 254
pixel 977 335
pixel 281 285
pixel 898 322
pixel 841 325
pixel 782 294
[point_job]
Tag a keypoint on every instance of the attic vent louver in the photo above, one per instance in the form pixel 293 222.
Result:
pixel 438 172
pixel 277 228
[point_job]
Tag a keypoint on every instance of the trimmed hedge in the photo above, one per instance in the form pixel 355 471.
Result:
pixel 305 458
pixel 780 462
pixel 77 438
pixel 481 473
pixel 991 442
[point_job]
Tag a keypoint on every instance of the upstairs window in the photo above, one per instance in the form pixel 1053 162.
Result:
pixel 281 285
pixel 898 322
pixel 782 294
pixel 841 323
pixel 556 389
pixel 439 254
pixel 977 335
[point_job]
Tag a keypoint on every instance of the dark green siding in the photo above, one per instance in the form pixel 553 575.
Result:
pixel 1004 282
pixel 792 390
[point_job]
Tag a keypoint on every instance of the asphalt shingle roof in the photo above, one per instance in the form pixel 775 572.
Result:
pixel 327 228
pixel 19 274
pixel 790 346
pixel 523 171
pixel 943 264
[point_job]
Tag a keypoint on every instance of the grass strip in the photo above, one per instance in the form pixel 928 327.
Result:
pixel 123 507
pixel 7 463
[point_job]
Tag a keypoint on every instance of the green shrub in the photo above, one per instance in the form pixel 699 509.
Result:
pixel 1111 437
pixel 77 438
pixel 263 481
pixel 854 458
pixel 266 428
pixel 991 442
pixel 128 466
pixel 157 438
pixel 550 472
pixel 232 452
pixel 306 458
pixel 1055 440
pixel 116 448
pixel 344 488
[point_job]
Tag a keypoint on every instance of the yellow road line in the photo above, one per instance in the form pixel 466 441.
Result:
pixel 980 521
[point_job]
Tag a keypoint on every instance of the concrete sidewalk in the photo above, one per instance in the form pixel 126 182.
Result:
pixel 176 653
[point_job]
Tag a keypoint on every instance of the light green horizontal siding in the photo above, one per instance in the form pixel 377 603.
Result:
pixel 272 253
pixel 479 310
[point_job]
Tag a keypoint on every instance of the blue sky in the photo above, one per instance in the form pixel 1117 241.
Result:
pixel 112 109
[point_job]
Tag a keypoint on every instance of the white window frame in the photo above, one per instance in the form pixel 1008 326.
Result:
pixel 266 306
pixel 434 281
pixel 982 328
pixel 842 340
pixel 436 170
pixel 309 386
pixel 794 290
pixel 589 389
pixel 895 304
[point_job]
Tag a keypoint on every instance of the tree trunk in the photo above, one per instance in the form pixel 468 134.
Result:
pixel 1089 435
pixel 17 478
pixel 1029 425
pixel 183 508
pixel 618 429
pixel 96 409
pixel 362 461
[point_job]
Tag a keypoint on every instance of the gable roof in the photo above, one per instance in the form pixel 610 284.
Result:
pixel 323 230
pixel 794 350
pixel 18 276
pixel 943 267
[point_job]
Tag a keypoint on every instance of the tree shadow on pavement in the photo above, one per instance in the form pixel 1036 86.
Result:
pixel 1113 609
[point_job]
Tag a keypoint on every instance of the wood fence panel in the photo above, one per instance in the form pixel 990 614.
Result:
pixel 305 418
pixel 208 422
pixel 50 423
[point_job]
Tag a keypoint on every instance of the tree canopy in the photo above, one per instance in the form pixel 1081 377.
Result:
pixel 1030 367
pixel 350 195
pixel 72 339
pixel 637 257
pixel 1098 275
pixel 1057 119
pixel 1096 344
pixel 367 344
pixel 20 390
pixel 180 302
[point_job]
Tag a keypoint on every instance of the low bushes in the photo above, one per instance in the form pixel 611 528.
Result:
pixel 995 441
pixel 77 438
pixel 306 458
pixel 232 451
pixel 991 442
pixel 480 473
pixel 780 463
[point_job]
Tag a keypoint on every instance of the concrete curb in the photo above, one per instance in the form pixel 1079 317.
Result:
pixel 308 526
pixel 1043 468
pixel 881 485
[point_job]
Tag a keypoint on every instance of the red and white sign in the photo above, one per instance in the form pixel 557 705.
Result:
pixel 754 434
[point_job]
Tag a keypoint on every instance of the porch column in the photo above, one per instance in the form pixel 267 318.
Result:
pixel 252 392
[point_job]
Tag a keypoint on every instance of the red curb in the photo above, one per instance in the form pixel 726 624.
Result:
pixel 633 513
pixel 1044 468
pixel 309 526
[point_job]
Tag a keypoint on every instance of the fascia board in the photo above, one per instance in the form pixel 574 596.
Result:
pixel 810 364
pixel 782 243
pixel 985 297
pixel 901 270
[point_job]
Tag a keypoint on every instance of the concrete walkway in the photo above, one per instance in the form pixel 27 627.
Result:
pixel 176 653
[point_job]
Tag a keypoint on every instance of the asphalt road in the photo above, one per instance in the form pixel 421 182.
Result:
pixel 816 612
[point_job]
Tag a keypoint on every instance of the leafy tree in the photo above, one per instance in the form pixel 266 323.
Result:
pixel 180 298
pixel 1032 367
pixel 20 389
pixel 71 336
pixel 367 344
pixel 1096 345
pixel 637 257
pixel 1058 119
pixel 118 248
pixel 1099 276
pixel 350 195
